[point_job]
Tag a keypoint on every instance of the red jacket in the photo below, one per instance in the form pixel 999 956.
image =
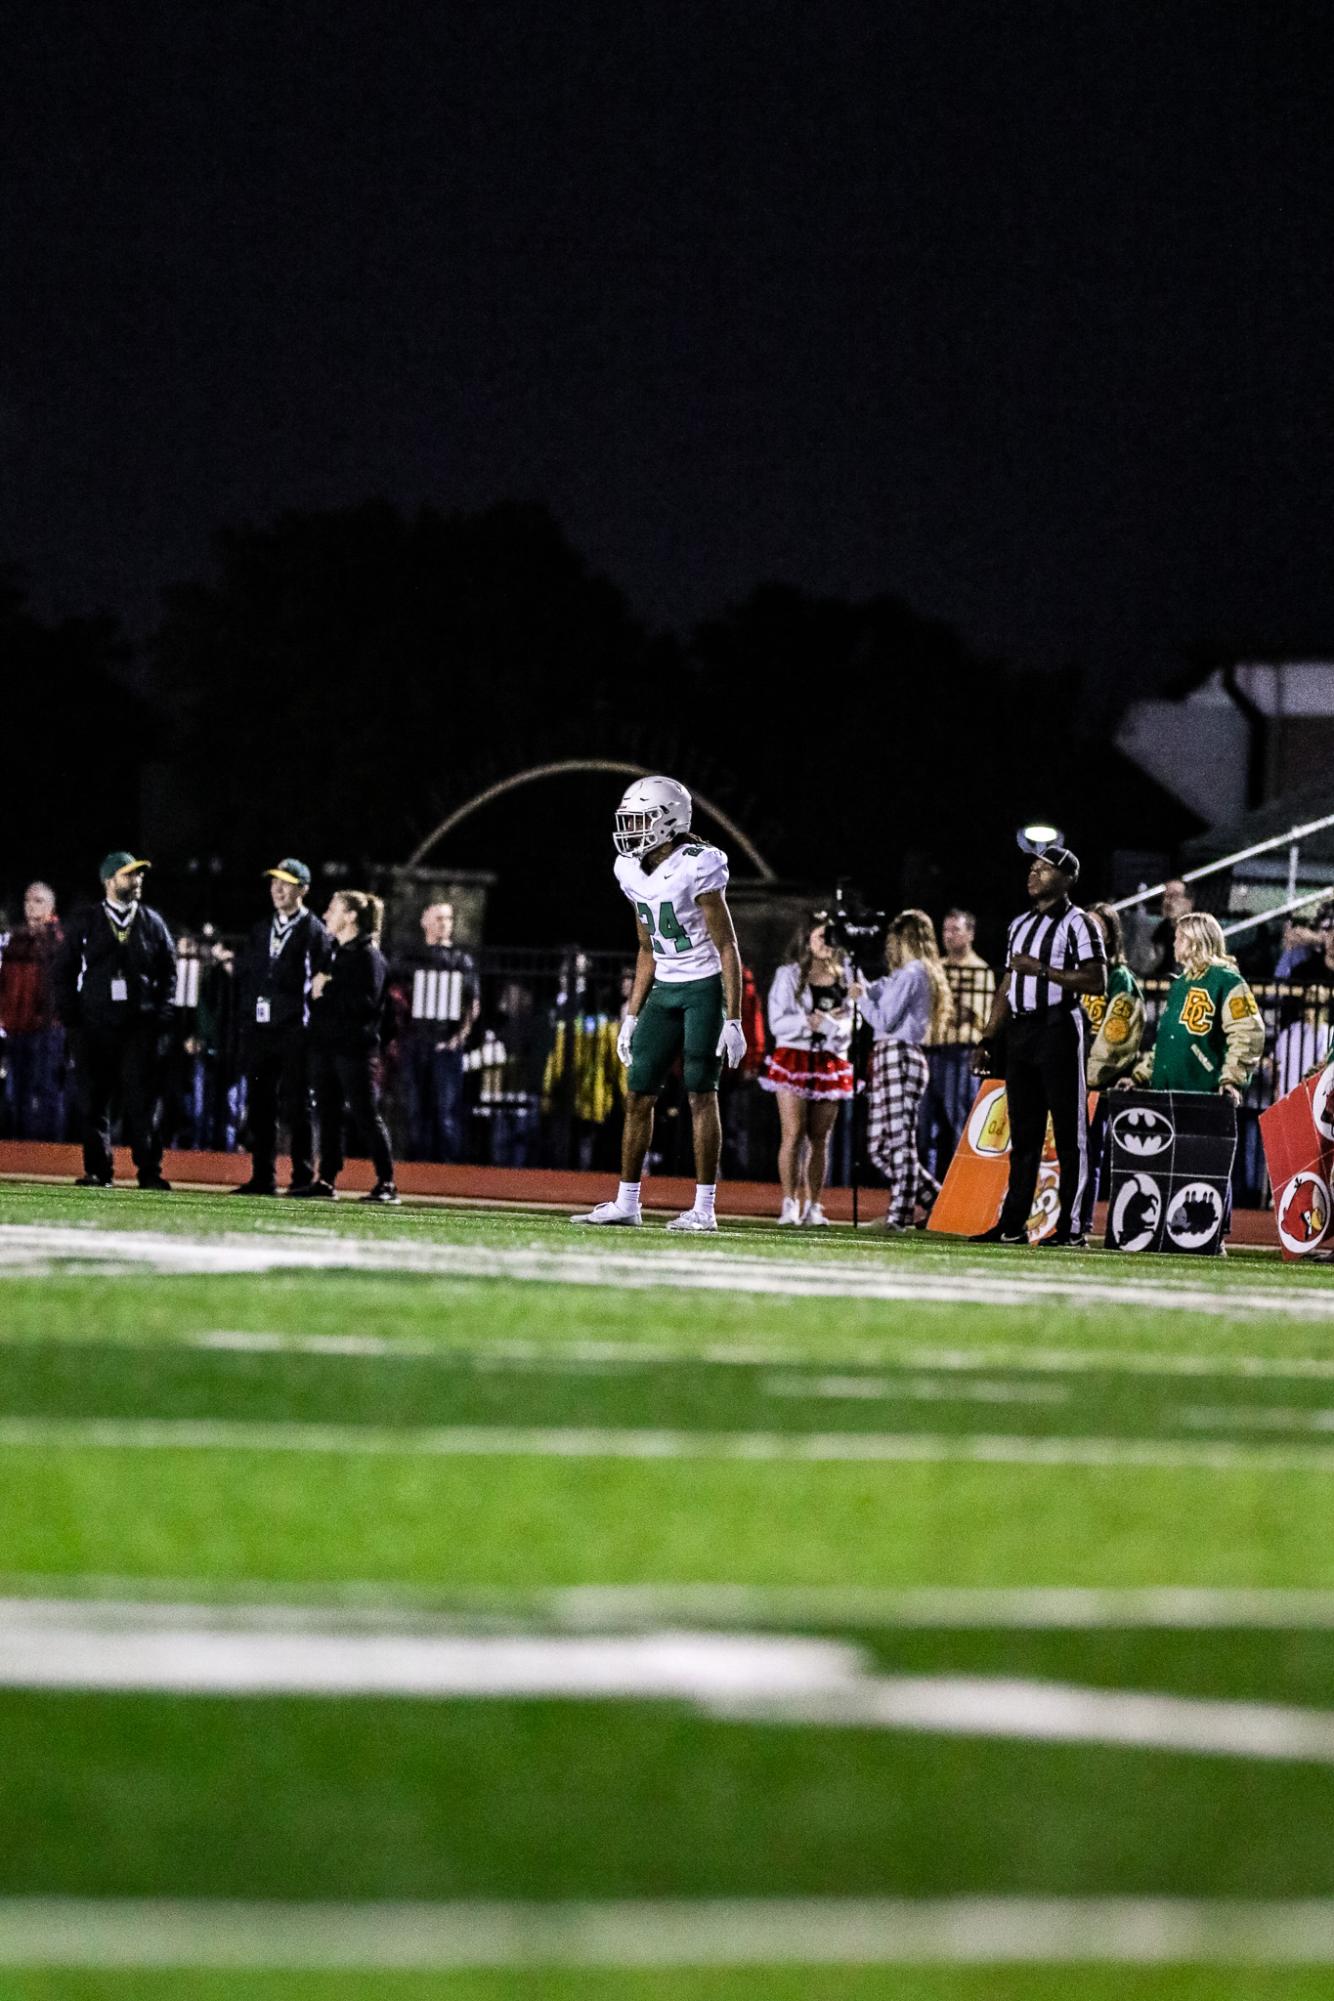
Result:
pixel 26 1001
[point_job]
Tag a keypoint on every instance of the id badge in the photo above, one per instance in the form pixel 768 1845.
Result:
pixel 262 1010
pixel 120 988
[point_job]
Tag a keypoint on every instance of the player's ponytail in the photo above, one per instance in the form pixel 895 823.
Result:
pixel 368 911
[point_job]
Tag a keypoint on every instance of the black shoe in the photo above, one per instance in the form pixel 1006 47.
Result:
pixel 1074 1240
pixel 995 1235
pixel 94 1181
pixel 316 1191
pixel 383 1192
pixel 155 1184
pixel 256 1188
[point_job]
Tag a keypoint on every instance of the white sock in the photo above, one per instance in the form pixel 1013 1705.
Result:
pixel 627 1196
pixel 704 1194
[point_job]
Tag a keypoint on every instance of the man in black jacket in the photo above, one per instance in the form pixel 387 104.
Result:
pixel 282 956
pixel 114 981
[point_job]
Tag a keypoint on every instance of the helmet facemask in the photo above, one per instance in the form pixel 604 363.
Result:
pixel 649 814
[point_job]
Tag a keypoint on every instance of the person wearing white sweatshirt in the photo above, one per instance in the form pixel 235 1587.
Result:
pixel 909 1006
pixel 808 1071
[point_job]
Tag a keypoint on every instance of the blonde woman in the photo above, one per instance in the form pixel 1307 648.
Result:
pixel 1210 1035
pixel 810 1017
pixel 909 1006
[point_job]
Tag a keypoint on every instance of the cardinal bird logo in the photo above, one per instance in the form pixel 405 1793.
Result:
pixel 1303 1214
pixel 1141 1132
pixel 1322 1110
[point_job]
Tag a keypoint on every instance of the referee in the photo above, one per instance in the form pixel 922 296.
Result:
pixel 1053 954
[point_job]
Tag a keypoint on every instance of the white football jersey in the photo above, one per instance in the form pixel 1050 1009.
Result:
pixel 668 902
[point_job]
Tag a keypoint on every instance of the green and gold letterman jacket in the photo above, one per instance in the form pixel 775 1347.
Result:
pixel 1116 1022
pixel 1209 1033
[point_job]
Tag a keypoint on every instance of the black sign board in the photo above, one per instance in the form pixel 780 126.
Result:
pixel 1171 1159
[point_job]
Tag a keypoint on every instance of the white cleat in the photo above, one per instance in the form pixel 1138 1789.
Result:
pixel 693 1222
pixel 611 1212
pixel 814 1217
pixel 789 1213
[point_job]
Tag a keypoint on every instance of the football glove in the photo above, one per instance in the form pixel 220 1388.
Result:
pixel 732 1044
pixel 625 1036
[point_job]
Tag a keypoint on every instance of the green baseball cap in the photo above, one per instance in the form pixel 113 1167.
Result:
pixel 119 859
pixel 291 871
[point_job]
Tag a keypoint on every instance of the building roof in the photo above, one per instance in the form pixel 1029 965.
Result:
pixel 1263 823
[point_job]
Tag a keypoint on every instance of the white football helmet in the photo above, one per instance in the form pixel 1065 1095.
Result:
pixel 652 810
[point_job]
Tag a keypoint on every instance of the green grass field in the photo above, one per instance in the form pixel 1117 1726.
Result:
pixel 449 1602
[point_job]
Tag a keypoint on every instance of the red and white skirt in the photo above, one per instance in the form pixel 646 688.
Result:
pixel 808 1073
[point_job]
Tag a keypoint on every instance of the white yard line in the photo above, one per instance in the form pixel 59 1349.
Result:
pixel 29 1247
pixel 929 1607
pixel 749 1677
pixel 590 1442
pixel 1256 1417
pixel 910 1389
pixel 759 1931
pixel 323 1605
pixel 557 1356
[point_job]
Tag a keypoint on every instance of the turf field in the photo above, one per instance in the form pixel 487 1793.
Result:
pixel 447 1602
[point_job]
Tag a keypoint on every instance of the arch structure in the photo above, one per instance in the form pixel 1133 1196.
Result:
pixel 566 768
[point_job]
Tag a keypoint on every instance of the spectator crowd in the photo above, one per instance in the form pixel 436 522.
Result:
pixel 508 1058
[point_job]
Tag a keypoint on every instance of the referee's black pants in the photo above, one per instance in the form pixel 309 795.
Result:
pixel 1044 1074
pixel 278 1080
pixel 347 1085
pixel 119 1067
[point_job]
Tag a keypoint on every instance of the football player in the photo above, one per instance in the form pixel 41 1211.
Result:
pixel 686 998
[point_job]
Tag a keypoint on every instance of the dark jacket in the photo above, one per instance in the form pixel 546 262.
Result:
pixel 94 956
pixel 285 981
pixel 348 1016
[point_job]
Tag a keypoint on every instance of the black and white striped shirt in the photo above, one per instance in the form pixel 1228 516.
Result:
pixel 1063 937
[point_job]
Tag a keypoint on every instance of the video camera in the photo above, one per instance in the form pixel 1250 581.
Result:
pixel 857 931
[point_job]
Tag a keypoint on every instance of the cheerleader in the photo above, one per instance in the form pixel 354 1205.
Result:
pixel 910 1006
pixel 810 1019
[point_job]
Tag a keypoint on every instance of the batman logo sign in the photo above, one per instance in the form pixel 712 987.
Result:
pixel 1141 1132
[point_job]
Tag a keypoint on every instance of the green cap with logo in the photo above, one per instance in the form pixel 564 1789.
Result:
pixel 291 870
pixel 118 859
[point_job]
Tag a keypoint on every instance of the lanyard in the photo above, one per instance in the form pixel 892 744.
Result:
pixel 120 929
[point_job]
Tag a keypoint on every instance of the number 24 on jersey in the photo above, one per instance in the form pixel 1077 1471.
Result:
pixel 665 930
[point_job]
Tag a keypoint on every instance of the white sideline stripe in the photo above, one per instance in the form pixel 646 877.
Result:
pixel 747 1677
pixel 29 1246
pixel 324 1605
pixel 588 1442
pixel 751 1931
pixel 556 1356
pixel 707 1932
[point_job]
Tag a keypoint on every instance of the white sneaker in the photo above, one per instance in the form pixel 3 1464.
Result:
pixel 693 1220
pixel 611 1212
pixel 789 1213
pixel 815 1217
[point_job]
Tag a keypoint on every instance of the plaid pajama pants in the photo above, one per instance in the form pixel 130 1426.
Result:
pixel 898 1079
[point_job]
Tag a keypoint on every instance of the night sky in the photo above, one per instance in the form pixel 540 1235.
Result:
pixel 1022 311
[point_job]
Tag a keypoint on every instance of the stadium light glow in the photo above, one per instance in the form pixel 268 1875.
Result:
pixel 1038 834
